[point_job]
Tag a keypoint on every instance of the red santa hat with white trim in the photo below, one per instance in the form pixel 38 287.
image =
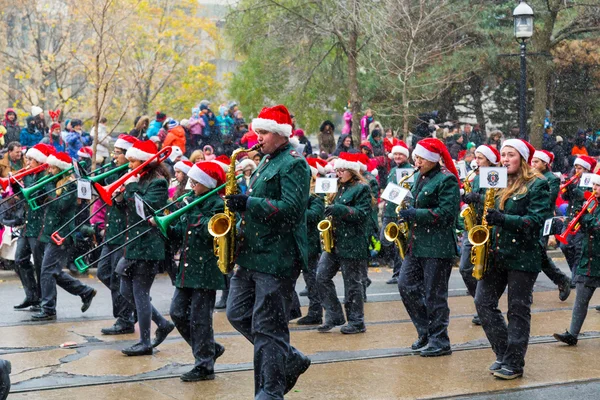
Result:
pixel 85 152
pixel 60 160
pixel 208 174
pixel 183 166
pixel 315 166
pixel 40 152
pixel 346 161
pixel 544 155
pixel 125 142
pixel 223 161
pixel 525 149
pixel 142 150
pixel 274 119
pixel 489 152
pixel 434 150
pixel 595 179
pixel 586 162
pixel 401 148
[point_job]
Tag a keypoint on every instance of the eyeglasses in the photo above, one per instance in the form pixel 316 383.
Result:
pixel 193 183
pixel 117 153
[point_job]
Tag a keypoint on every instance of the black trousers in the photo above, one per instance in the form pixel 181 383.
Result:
pixel 315 309
pixel 107 274
pixel 509 342
pixel 258 307
pixel 423 286
pixel 30 275
pixel 192 313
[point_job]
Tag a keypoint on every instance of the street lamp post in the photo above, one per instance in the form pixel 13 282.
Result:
pixel 523 17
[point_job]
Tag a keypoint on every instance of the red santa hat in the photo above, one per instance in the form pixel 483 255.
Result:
pixel 125 142
pixel 327 168
pixel 142 150
pixel 525 149
pixel 489 152
pixel 208 174
pixel 274 119
pixel 315 166
pixel 545 156
pixel 60 160
pixel 595 179
pixel 85 152
pixel 40 152
pixel 183 166
pixel 401 148
pixel 434 150
pixel 586 162
pixel 346 161
pixel 223 161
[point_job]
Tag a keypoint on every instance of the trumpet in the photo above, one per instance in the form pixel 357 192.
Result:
pixel 564 186
pixel 398 232
pixel 574 225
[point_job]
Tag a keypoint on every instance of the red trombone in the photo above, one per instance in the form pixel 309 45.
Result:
pixel 574 225
pixel 20 174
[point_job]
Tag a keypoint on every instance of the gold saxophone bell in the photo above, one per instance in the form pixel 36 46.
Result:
pixel 219 226
pixel 326 236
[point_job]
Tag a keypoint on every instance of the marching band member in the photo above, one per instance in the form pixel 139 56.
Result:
pixel 314 214
pixel 514 260
pixel 141 259
pixel 588 270
pixel 485 156
pixel 181 168
pixel 541 161
pixel 28 243
pixel 270 255
pixel 115 221
pixel 198 277
pixel 56 213
pixel 399 155
pixel 574 194
pixel 350 211
pixel 425 272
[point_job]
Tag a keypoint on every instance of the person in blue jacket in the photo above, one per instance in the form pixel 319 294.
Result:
pixel 30 134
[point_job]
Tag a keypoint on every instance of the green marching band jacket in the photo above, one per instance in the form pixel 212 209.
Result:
pixel 436 198
pixel 198 263
pixel 155 193
pixel 389 211
pixel 314 214
pixel 514 245
pixel 34 219
pixel 115 219
pixel 590 254
pixel 60 211
pixel 351 210
pixel 272 230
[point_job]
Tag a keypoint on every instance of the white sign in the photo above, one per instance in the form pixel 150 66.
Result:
pixel 461 166
pixel 548 226
pixel 404 172
pixel 139 206
pixel 300 148
pixel 493 177
pixel 586 180
pixel 558 175
pixel 326 185
pixel 188 185
pixel 394 193
pixel 84 189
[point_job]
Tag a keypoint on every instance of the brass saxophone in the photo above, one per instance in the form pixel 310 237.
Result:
pixel 325 228
pixel 222 226
pixel 469 214
pixel 398 232
pixel 479 236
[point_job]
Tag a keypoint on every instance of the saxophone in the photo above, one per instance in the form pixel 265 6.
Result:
pixel 469 214
pixel 479 236
pixel 325 228
pixel 398 232
pixel 222 226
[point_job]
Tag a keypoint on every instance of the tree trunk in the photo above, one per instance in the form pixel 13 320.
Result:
pixel 353 85
pixel 405 110
pixel 476 88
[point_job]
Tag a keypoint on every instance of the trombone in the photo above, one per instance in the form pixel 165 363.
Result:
pixel 20 174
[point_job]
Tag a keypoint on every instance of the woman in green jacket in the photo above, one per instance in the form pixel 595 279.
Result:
pixel 141 259
pixel 350 217
pixel 514 258
pixel 588 271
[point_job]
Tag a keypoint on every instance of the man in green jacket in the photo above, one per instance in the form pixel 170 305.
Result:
pixel 271 251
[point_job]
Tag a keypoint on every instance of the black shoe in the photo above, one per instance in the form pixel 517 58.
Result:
pixel 35 308
pixel 352 329
pixel 87 301
pixel 25 304
pixel 476 320
pixel 137 350
pixel 5 370
pixel 303 292
pixel 597 308
pixel 118 329
pixel 295 369
pixel 221 304
pixel 564 290
pixel 566 337
pixel 43 316
pixel 508 374
pixel 219 350
pixel 327 326
pixel 295 314
pixel 198 374
pixel 392 281
pixel 436 351
pixel 495 367
pixel 420 343
pixel 161 334
pixel 310 320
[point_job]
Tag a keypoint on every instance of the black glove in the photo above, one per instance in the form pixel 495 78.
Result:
pixel 472 198
pixel 335 210
pixel 495 217
pixel 408 214
pixel 237 202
